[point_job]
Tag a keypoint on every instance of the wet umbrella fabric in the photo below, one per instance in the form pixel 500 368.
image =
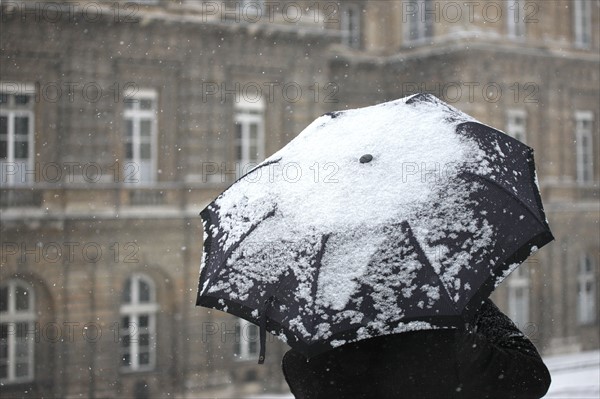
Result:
pixel 396 217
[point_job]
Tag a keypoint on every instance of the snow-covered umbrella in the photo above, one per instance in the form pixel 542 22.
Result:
pixel 390 218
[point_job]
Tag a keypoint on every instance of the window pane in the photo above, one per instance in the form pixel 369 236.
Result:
pixel 144 339
pixel 253 151
pixel 3 149
pixel 21 125
pixel 22 369
pixel 145 151
pixel 3 371
pixel 22 347
pixel 21 149
pixel 145 127
pixel 3 125
pixel 146 104
pixel 129 151
pixel 143 321
pixel 4 299
pixel 253 131
pixel 126 296
pixel 3 98
pixel 22 298
pixel 238 151
pixel 22 99
pixel 129 103
pixel 144 291
pixel 3 342
pixel 129 128
pixel 23 329
pixel 252 347
pixel 144 358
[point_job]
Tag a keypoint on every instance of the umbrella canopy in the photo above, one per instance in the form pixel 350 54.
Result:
pixel 396 217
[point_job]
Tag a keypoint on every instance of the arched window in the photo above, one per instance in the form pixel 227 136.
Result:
pixel 17 332
pixel 138 324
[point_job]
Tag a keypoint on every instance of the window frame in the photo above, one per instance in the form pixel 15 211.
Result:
pixel 247 113
pixel 134 310
pixel 136 116
pixel 12 111
pixel 582 24
pixel 12 316
pixel 584 153
pixel 424 25
pixel 513 129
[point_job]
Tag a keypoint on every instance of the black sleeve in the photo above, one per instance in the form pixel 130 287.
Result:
pixel 496 360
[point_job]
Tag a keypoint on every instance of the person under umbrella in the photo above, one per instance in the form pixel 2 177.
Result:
pixel 492 360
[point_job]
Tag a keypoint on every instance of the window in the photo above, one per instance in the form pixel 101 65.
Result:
pixel 249 134
pixel 16 133
pixel 418 18
pixel 582 23
pixel 17 333
pixel 138 324
pixel 140 137
pixel 515 20
pixel 246 340
pixel 516 124
pixel 586 291
pixel 584 150
pixel 350 24
pixel 518 296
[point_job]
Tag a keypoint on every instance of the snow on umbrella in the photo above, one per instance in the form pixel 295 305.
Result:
pixel 390 218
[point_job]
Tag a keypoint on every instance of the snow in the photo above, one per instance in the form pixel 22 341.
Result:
pixel 575 375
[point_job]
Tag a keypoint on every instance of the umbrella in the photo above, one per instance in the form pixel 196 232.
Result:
pixel 396 217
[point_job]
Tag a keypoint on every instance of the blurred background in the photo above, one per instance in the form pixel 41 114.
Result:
pixel 120 121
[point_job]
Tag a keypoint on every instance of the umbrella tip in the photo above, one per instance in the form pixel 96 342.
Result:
pixel 366 158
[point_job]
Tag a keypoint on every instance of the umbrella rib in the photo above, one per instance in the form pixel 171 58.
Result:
pixel 247 233
pixel 413 239
pixel 513 195
pixel 317 262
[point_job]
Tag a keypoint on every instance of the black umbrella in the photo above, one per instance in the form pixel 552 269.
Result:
pixel 397 217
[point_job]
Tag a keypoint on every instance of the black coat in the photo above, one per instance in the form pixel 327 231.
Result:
pixel 494 361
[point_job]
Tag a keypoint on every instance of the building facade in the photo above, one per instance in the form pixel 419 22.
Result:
pixel 119 122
